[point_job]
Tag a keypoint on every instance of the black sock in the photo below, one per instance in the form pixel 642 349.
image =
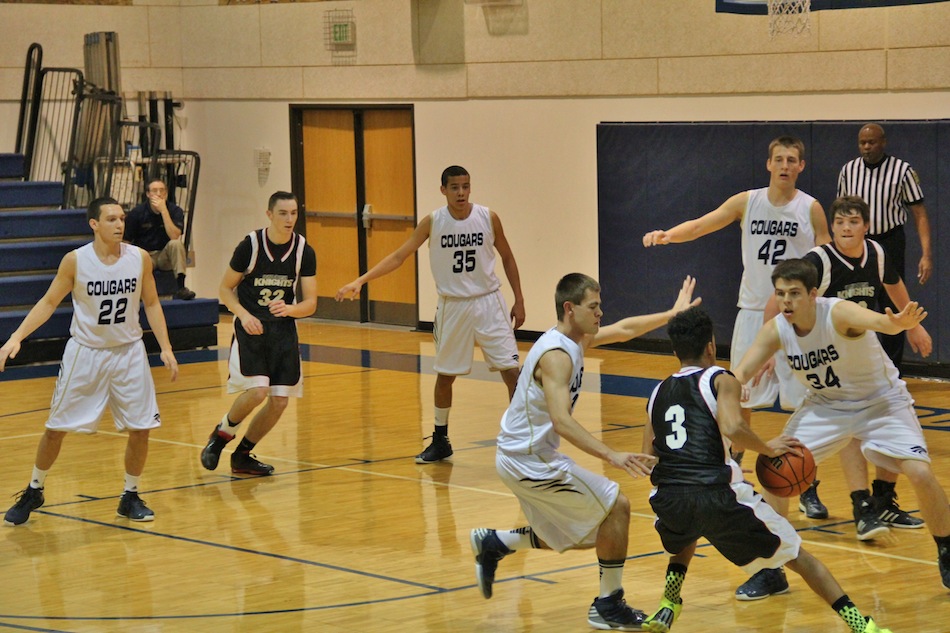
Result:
pixel 245 446
pixel 440 431
pixel 181 281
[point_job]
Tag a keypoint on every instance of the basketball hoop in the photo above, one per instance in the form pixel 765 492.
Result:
pixel 789 16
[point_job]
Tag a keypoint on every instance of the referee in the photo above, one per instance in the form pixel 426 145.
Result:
pixel 890 186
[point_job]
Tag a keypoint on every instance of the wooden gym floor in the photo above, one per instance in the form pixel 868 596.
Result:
pixel 351 535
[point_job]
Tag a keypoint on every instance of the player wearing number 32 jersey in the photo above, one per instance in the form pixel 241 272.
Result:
pixel 463 238
pixel 270 282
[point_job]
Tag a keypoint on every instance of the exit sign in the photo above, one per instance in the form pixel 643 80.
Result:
pixel 343 33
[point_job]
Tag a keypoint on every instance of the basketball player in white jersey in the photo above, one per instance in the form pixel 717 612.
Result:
pixel 104 362
pixel 568 507
pixel 853 388
pixel 463 237
pixel 777 222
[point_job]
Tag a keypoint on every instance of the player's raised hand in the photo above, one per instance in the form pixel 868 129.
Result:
pixel 909 317
pixel 685 298
pixel 349 291
pixel 656 238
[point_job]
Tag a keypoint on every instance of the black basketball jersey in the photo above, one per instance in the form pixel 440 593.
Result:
pixel 860 280
pixel 687 442
pixel 271 271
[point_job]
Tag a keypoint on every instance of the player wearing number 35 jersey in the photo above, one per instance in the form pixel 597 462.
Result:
pixel 270 283
pixel 104 363
pixel 463 238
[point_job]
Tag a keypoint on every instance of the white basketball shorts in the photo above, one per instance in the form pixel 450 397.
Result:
pixel 91 379
pixel 462 322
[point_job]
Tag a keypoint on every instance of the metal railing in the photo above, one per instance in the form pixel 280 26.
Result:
pixel 26 122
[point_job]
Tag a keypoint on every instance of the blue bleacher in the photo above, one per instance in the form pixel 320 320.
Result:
pixel 32 243
pixel 11 165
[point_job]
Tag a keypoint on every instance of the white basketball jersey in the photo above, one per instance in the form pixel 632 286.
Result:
pixel 462 253
pixel 838 371
pixel 770 235
pixel 526 426
pixel 106 298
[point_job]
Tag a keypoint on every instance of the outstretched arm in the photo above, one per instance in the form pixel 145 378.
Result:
pixel 632 327
pixel 511 271
pixel 61 286
pixel 555 371
pixel 389 263
pixel 728 212
pixel 850 319
pixel 735 427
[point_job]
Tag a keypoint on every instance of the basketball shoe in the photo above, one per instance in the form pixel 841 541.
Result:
pixel 872 627
pixel 439 449
pixel 243 463
pixel 943 562
pixel 211 453
pixel 133 508
pixel 762 584
pixel 886 498
pixel 810 504
pixel 662 621
pixel 867 523
pixel 28 500
pixel 614 614
pixel 488 550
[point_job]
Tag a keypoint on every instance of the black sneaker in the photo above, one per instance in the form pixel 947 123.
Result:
pixel 133 508
pixel 762 584
pixel 211 453
pixel 866 522
pixel 439 449
pixel 185 294
pixel 488 550
pixel 613 614
pixel 27 500
pixel 247 464
pixel 943 562
pixel 892 515
pixel 810 504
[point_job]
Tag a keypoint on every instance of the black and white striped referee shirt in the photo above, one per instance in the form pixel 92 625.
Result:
pixel 888 187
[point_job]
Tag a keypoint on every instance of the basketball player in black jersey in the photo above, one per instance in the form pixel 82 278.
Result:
pixel 259 288
pixel 699 491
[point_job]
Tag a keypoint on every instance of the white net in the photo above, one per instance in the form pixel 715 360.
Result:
pixel 789 16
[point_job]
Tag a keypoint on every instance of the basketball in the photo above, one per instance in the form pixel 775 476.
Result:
pixel 787 475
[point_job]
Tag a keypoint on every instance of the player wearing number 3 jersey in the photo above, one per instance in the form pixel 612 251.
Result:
pixel 104 363
pixel 463 238
pixel 271 282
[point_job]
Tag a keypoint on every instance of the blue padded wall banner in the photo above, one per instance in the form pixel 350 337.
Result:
pixel 656 175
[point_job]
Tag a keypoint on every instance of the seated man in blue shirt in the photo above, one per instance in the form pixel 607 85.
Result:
pixel 156 227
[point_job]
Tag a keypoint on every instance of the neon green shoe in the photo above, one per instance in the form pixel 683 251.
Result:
pixel 874 628
pixel 662 621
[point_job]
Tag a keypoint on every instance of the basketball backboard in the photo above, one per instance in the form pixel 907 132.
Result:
pixel 760 7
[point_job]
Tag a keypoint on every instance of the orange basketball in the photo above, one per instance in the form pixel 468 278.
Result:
pixel 787 475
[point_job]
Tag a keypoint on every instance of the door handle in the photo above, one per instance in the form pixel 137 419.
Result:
pixel 367 216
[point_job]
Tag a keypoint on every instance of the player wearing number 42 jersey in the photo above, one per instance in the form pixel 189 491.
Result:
pixel 104 362
pixel 260 288
pixel 463 238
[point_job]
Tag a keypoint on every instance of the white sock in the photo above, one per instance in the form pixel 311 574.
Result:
pixel 227 426
pixel 131 483
pixel 516 539
pixel 38 480
pixel 611 576
pixel 442 416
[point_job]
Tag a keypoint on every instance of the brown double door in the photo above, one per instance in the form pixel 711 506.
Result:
pixel 355 168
